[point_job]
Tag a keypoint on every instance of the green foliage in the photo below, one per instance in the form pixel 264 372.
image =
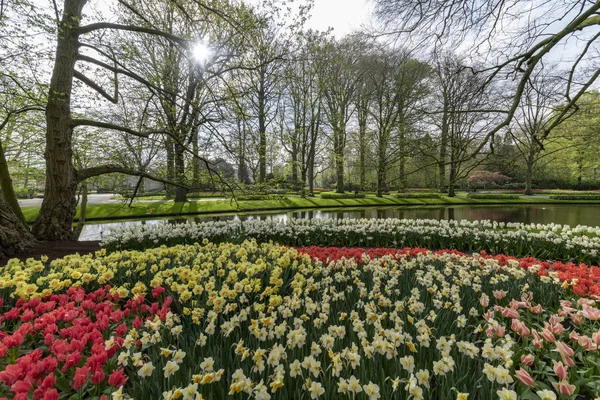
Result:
pixel 418 195
pixel 21 193
pixel 259 196
pixel 333 195
pixel 595 196
pixel 489 196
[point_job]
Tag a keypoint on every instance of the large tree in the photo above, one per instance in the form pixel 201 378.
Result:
pixel 395 85
pixel 78 45
pixel 502 35
pixel 340 83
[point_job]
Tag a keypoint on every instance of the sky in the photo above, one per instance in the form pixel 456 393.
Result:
pixel 343 16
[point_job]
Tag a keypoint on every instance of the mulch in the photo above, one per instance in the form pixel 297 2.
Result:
pixel 54 250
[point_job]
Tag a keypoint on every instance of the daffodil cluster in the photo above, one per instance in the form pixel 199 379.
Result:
pixel 267 321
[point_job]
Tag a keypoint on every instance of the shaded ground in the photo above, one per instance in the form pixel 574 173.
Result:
pixel 56 250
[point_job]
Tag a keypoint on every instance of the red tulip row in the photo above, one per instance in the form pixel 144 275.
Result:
pixel 584 279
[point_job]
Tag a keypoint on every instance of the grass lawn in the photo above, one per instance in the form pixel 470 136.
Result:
pixel 169 208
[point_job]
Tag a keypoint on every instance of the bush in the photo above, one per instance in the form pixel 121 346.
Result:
pixel 259 196
pixel 594 196
pixel 21 193
pixel 334 195
pixel 418 195
pixel 204 195
pixel 493 196
pixel 483 178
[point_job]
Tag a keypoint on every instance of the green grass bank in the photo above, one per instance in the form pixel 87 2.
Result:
pixel 99 212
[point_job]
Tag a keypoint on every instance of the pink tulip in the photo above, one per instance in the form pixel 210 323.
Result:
pixel 500 331
pixel 574 336
pixel 555 319
pixel 558 329
pixel 527 359
pixel 514 304
pixel 587 343
pixel 596 337
pixel 548 336
pixel 537 342
pixel 577 319
pixel 566 303
pixel 524 377
pixel 520 328
pixel 564 349
pixel 568 360
pixel 583 302
pixel 537 309
pixel 510 313
pixel 484 301
pixel 591 313
pixel 560 370
pixel 564 388
pixel 500 294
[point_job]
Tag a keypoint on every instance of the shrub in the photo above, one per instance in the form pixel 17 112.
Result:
pixel 202 195
pixel 497 196
pixel 485 178
pixel 22 193
pixel 576 197
pixel 333 195
pixel 260 196
pixel 418 195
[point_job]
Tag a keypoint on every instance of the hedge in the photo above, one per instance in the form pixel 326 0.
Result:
pixel 493 196
pixel 343 195
pixel 418 195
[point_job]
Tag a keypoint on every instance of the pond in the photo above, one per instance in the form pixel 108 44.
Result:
pixel 570 214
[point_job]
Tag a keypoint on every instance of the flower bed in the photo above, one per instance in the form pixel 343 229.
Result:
pixel 549 242
pixel 267 321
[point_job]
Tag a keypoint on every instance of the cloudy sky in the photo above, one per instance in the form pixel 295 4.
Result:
pixel 342 15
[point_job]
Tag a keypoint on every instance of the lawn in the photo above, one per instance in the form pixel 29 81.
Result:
pixel 169 208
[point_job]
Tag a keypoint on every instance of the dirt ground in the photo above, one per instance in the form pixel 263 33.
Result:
pixel 56 250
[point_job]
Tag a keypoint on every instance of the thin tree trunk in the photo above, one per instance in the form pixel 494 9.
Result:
pixel 7 186
pixel 170 166
pixel 180 191
pixel 443 147
pixel 339 160
pixel 82 208
pixel 529 176
pixel 452 178
pixel 362 148
pixel 402 158
pixel 55 219
pixel 195 162
pixel 262 128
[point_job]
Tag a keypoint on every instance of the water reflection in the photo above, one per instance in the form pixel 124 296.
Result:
pixel 570 214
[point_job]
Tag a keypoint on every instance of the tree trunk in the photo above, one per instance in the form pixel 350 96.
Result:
pixel 7 187
pixel 402 157
pixel 170 166
pixel 195 162
pixel 529 176
pixel 294 156
pixel 362 148
pixel 180 191
pixel 262 128
pixel 55 219
pixel 14 235
pixel 381 163
pixel 82 208
pixel 339 160
pixel 443 147
pixel 451 179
